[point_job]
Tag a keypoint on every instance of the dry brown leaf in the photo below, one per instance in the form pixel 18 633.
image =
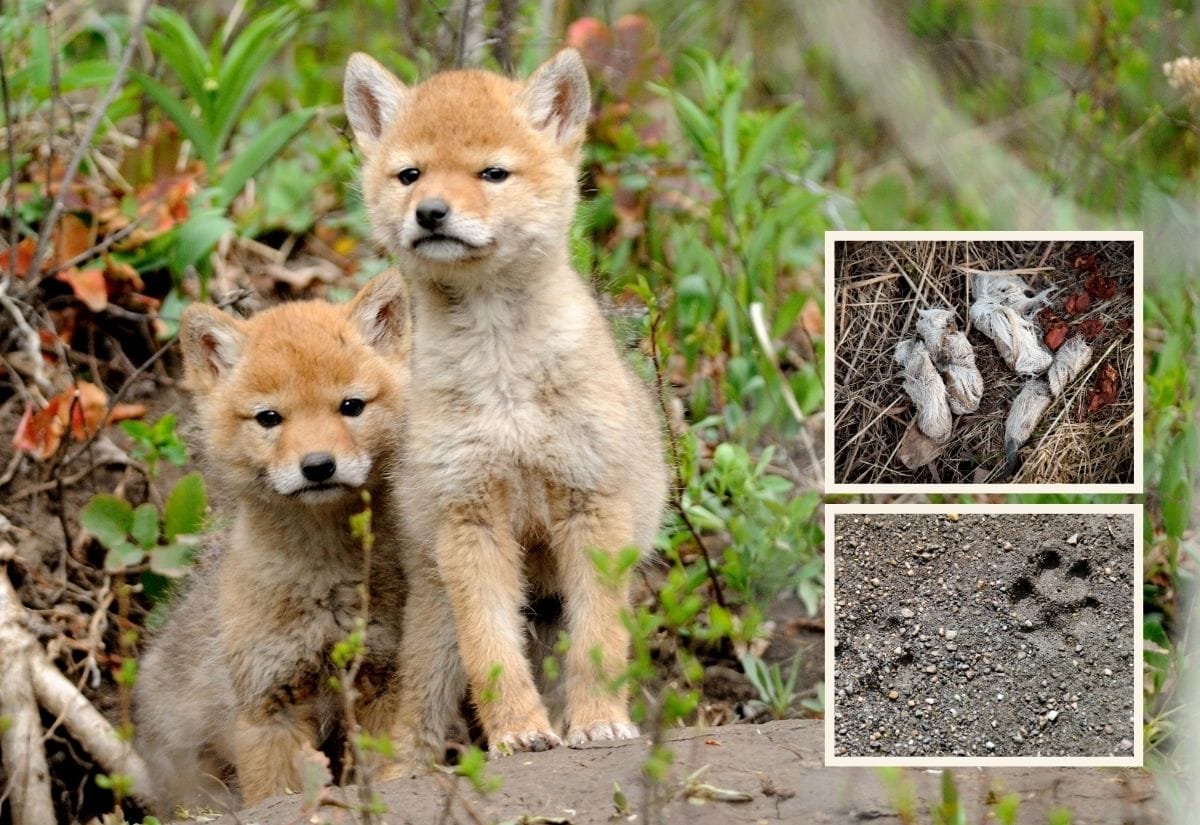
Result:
pixel 1092 328
pixel 812 320
pixel 24 257
pixel 1100 287
pixel 88 285
pixel 1056 334
pixel 1077 303
pixel 1104 391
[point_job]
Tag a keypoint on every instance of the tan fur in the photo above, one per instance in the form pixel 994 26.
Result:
pixel 529 441
pixel 238 677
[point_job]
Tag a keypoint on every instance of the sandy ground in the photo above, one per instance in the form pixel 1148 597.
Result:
pixel 778 765
pixel 995 635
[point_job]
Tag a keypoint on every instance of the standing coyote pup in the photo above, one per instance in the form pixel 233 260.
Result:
pixel 531 443
pixel 299 409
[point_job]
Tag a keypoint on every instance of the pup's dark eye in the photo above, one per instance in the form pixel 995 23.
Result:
pixel 352 407
pixel 268 419
pixel 409 176
pixel 494 174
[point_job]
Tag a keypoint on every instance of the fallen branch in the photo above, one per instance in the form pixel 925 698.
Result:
pixel 24 755
pixel 28 679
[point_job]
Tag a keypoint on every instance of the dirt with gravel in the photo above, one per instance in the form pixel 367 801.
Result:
pixel 983 635
pixel 776 766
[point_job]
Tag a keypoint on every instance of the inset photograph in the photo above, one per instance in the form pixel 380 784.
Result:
pixel 977 360
pixel 987 633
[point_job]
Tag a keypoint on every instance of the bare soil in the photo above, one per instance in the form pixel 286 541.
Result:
pixel 991 635
pixel 777 765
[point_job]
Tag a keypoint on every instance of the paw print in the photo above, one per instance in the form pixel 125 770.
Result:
pixel 1050 589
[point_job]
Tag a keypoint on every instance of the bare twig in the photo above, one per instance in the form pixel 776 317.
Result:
pixel 29 337
pixel 21 740
pixel 24 657
pixel 764 340
pixel 89 134
pixel 116 399
pixel 673 445
pixel 13 233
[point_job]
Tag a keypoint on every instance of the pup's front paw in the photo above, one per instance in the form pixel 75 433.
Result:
pixel 525 740
pixel 601 732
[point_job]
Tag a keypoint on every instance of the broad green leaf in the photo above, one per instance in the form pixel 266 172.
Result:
pixel 198 132
pixel 186 506
pixel 145 525
pixel 164 428
pixel 109 518
pixel 121 555
pixel 265 146
pixel 86 74
pixel 135 429
pixel 197 236
pixel 174 559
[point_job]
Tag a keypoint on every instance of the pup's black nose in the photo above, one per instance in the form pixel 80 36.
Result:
pixel 318 466
pixel 431 212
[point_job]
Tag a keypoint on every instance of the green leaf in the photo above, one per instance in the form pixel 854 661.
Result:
pixel 175 42
pixel 258 43
pixel 192 128
pixel 137 430
pixel 756 155
pixel 185 510
pixel 87 74
pixel 173 559
pixel 164 428
pixel 145 525
pixel 265 146
pixel 696 125
pixel 109 518
pixel 197 236
pixel 121 555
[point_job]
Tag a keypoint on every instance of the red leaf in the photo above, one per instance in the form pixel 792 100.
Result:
pixel 80 408
pixel 1091 328
pixel 1104 391
pixel 1100 287
pixel 1056 335
pixel 1085 263
pixel 1125 324
pixel 1077 303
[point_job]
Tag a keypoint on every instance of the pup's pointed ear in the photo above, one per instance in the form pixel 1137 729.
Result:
pixel 558 99
pixel 212 345
pixel 381 312
pixel 372 97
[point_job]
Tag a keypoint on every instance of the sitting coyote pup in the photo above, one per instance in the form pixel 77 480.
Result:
pixel 299 409
pixel 531 444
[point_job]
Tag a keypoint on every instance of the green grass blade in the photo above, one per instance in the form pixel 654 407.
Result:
pixel 192 128
pixel 250 52
pixel 261 150
pixel 175 42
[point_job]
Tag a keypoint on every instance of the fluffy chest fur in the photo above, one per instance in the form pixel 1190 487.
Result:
pixel 507 391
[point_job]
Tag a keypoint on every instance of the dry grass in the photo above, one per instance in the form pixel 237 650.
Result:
pixel 878 288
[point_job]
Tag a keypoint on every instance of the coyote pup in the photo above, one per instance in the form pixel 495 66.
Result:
pixel 299 409
pixel 531 443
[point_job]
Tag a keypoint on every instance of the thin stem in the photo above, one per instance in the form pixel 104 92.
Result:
pixel 89 134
